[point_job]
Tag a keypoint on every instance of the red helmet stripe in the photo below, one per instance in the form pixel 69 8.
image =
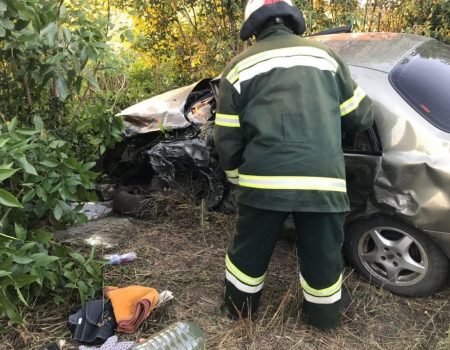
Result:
pixel 270 2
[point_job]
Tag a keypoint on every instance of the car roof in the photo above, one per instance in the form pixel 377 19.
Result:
pixel 380 51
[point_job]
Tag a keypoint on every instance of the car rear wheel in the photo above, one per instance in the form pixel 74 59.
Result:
pixel 396 257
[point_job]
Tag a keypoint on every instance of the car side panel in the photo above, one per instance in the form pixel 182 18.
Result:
pixel 413 180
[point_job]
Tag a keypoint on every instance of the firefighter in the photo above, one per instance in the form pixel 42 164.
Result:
pixel 283 107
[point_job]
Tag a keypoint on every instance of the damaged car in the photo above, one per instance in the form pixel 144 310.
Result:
pixel 398 171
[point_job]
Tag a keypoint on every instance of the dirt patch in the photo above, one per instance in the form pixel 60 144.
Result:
pixel 183 252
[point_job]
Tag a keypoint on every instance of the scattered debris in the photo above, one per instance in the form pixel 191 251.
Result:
pixel 132 305
pixel 112 344
pixel 106 233
pixel 179 336
pixel 117 259
pixel 96 210
pixel 164 297
pixel 94 323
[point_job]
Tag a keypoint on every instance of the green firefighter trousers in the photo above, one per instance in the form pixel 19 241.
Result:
pixel 319 242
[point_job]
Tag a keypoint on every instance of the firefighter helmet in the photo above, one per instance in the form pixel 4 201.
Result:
pixel 257 12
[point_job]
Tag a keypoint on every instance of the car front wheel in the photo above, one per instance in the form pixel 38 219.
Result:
pixel 395 256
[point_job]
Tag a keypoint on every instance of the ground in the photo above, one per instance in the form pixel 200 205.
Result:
pixel 182 250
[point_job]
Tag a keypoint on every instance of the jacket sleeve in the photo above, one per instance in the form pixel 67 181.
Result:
pixel 356 107
pixel 228 135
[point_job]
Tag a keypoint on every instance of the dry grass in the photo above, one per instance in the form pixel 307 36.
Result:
pixel 183 251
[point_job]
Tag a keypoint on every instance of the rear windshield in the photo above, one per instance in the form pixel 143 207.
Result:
pixel 423 79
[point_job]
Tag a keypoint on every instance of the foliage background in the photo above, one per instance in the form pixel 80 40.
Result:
pixel 68 66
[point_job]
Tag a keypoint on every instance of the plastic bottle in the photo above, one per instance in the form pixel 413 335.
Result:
pixel 179 336
pixel 117 259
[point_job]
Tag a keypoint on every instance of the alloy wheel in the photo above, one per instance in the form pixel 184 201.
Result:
pixel 393 256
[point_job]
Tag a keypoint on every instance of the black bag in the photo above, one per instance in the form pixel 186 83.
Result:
pixel 94 323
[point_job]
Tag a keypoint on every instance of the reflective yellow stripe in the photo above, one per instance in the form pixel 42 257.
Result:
pixel 326 292
pixel 293 183
pixel 233 76
pixel 285 62
pixel 251 281
pixel 232 173
pixel 281 58
pixel 228 120
pixel 353 103
pixel 286 52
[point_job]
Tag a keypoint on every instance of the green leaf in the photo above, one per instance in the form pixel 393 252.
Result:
pixel 22 279
pixel 91 271
pixel 21 24
pixel 88 166
pixel 27 132
pixel 93 80
pixel 83 58
pixel 4 273
pixel 7 199
pixel 12 124
pixel 57 144
pixel 67 35
pixel 6 172
pixel 28 196
pixel 78 257
pixel 22 299
pixel 49 163
pixel 92 196
pixel 41 193
pixel 43 259
pixel 4 142
pixel 3 6
pixel 58 299
pixel 24 164
pixel 50 31
pixel 57 212
pixel 83 286
pixel 6 23
pixel 27 246
pixel 84 125
pixel 22 260
pixel 38 123
pixel 96 141
pixel 20 232
pixel 43 237
pixel 61 85
pixel 70 275
pixel 10 309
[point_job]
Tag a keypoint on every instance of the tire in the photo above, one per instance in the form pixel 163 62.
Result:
pixel 395 256
pixel 129 201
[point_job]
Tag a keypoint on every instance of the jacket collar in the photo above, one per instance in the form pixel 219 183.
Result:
pixel 273 30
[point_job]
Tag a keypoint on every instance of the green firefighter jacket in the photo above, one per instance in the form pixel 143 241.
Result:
pixel 282 108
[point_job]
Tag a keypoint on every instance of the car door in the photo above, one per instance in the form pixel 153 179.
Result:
pixel 362 161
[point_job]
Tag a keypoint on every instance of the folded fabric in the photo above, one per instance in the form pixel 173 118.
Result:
pixel 132 305
pixel 112 344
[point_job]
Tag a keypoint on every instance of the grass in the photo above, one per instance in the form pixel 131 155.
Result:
pixel 183 251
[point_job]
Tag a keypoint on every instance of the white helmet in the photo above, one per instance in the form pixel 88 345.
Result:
pixel 257 12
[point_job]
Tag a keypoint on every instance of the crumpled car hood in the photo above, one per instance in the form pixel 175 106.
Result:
pixel 162 112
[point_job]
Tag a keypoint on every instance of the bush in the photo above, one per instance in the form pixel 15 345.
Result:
pixel 39 176
pixel 54 125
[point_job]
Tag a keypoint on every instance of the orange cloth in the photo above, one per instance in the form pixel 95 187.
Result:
pixel 132 305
